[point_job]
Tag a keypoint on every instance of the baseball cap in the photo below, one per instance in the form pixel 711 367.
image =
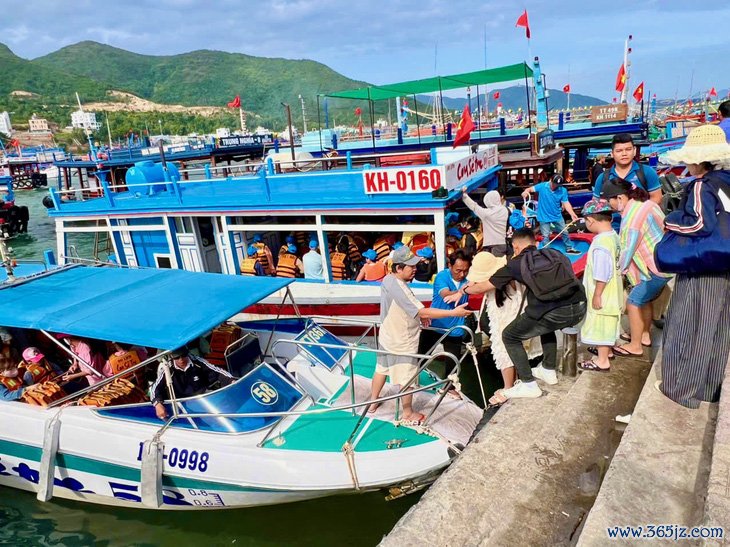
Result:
pixel 558 180
pixel 398 245
pixel 252 250
pixel 452 216
pixel 291 248
pixel 454 232
pixel 313 244
pixel 257 238
pixel 290 239
pixel 32 355
pixel 371 254
pixel 179 352
pixel 403 255
pixel 426 252
pixel 597 206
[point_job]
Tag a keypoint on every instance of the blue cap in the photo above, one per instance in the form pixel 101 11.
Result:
pixel 371 254
pixel 426 252
pixel 290 239
pixel 313 244
pixel 252 250
pixel 257 238
pixel 398 245
pixel 453 216
pixel 454 232
pixel 291 248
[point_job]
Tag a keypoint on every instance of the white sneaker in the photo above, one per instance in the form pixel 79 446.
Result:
pixel 528 390
pixel 545 374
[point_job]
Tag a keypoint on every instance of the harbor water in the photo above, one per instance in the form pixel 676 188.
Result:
pixel 353 520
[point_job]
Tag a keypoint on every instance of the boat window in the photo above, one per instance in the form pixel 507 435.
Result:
pixel 183 225
pixel 262 390
pixel 272 221
pixel 360 220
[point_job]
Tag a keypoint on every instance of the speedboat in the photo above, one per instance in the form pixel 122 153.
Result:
pixel 292 426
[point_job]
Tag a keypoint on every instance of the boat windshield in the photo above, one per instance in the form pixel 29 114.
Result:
pixel 261 390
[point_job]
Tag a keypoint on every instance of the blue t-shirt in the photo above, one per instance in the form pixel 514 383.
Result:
pixel 652 179
pixel 549 202
pixel 725 126
pixel 312 262
pixel 445 281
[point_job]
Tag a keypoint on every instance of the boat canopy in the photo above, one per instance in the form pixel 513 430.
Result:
pixel 437 83
pixel 163 309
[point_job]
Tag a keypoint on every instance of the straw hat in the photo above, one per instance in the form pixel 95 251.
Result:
pixel 484 265
pixel 704 143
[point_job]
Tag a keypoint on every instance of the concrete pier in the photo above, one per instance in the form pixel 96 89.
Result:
pixel 531 475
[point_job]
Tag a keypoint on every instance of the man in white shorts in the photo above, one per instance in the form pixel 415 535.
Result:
pixel 400 316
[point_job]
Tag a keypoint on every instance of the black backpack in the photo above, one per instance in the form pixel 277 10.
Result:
pixel 549 275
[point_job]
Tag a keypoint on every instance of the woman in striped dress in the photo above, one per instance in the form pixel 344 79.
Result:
pixel 642 228
pixel 696 340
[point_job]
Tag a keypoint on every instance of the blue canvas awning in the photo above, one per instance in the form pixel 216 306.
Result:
pixel 157 308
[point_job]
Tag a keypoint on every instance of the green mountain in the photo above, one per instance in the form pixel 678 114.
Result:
pixel 202 78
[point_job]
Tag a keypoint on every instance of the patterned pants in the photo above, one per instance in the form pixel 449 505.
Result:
pixel 696 339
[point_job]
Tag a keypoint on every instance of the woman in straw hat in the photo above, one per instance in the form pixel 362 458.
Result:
pixel 502 306
pixel 696 340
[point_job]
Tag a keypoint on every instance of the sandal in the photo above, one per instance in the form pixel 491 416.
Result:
pixel 414 422
pixel 591 366
pixel 626 338
pixel 621 352
pixel 373 408
pixel 593 350
pixel 497 400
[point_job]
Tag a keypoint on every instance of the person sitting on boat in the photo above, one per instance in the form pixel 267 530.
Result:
pixel 264 254
pixel 340 259
pixel 252 265
pixel 12 383
pixel 494 216
pixel 471 241
pixel 427 267
pixel 312 261
pixel 124 357
pixel 384 244
pixel 285 247
pixel 552 198
pixel 627 168
pixel 453 240
pixel 7 349
pixel 373 269
pixel 290 265
pixel 401 314
pixel 190 375
pixel 16 378
pixel 88 364
pixel 36 364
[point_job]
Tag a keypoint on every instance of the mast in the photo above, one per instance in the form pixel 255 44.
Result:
pixel 627 68
pixel 92 149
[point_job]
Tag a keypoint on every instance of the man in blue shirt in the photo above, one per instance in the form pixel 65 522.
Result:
pixel 724 112
pixel 448 282
pixel 626 167
pixel 552 198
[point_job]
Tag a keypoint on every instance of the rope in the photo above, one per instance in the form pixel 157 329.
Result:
pixel 560 233
pixel 349 452
pixel 473 350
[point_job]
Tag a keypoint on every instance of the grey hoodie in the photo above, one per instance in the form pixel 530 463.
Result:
pixel 493 216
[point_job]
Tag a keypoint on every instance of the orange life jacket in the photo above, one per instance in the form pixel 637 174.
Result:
pixel 374 271
pixel 119 362
pixel 248 265
pixel 382 247
pixel 338 266
pixel 12 384
pixel 478 237
pixel 419 241
pixel 287 265
pixel 261 255
pixel 38 372
pixel 284 249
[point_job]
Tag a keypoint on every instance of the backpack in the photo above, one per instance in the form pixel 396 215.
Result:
pixel 549 275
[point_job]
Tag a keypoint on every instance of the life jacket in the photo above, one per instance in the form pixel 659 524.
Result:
pixel 419 241
pixel 287 265
pixel 382 247
pixel 248 265
pixel 478 237
pixel 374 271
pixel 12 384
pixel 354 252
pixel 38 372
pixel 261 255
pixel 283 249
pixel 451 248
pixel 338 266
pixel 123 361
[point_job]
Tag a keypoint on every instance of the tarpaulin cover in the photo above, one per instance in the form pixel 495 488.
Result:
pixel 157 308
pixel 509 73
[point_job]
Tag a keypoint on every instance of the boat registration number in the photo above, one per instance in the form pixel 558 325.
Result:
pixel 408 180
pixel 182 458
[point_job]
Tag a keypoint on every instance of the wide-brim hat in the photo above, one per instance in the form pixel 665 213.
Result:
pixel 484 266
pixel 706 143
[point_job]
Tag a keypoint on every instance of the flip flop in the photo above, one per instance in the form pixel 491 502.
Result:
pixel 591 366
pixel 621 352
pixel 594 351
pixel 413 422
pixel 627 338
pixel 497 400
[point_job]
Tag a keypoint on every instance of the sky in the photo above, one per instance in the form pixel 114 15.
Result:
pixel 677 45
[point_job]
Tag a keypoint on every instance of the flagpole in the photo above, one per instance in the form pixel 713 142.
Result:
pixel 627 70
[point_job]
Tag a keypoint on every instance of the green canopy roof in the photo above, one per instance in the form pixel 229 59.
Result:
pixel 442 83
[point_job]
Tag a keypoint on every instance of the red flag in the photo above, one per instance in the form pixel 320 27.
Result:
pixel 639 92
pixel 523 22
pixel 713 92
pixel 466 125
pixel 689 102
pixel 621 78
pixel 496 95
pixel 235 103
pixel 566 88
pixel 14 142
